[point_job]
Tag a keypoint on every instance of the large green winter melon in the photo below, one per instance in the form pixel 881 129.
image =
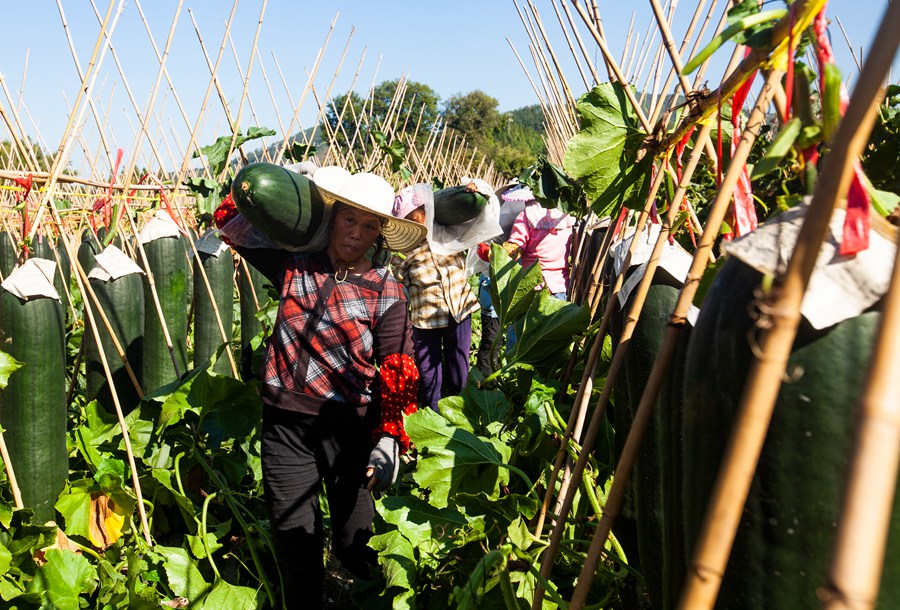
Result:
pixel 284 205
pixel 781 553
pixel 455 205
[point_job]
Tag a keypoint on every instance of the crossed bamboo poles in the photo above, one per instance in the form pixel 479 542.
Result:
pixel 849 586
pixel 445 156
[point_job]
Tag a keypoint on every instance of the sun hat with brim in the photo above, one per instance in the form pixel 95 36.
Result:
pixel 373 194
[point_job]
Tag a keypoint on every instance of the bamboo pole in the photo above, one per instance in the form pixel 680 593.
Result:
pixel 858 556
pixel 577 416
pixel 770 360
pixel 299 105
pixel 236 126
pixel 580 42
pixel 615 68
pixel 100 126
pixel 802 12
pixel 60 158
pixel 159 59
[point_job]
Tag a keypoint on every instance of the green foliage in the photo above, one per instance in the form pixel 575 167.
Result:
pixel 553 188
pixel 603 155
pixel 881 159
pixel 217 153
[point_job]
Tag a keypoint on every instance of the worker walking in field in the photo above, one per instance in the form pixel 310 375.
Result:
pixel 441 304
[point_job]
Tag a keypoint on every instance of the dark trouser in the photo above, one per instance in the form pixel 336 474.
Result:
pixel 490 328
pixel 299 453
pixel 442 355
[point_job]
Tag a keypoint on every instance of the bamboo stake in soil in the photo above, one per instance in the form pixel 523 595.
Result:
pixel 856 566
pixel 641 419
pixel 783 302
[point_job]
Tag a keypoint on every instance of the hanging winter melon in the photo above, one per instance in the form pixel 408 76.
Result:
pixel 781 553
pixel 33 408
pixel 218 263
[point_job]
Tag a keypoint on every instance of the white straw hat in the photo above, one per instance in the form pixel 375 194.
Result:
pixel 372 194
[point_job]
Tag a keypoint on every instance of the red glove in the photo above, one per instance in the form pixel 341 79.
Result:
pixel 399 387
pixel 484 251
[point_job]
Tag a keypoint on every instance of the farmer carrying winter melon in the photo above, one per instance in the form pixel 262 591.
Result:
pixel 337 378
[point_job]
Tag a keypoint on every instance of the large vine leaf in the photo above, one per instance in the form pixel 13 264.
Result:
pixel 431 530
pixel 61 581
pixel 548 328
pixel 498 512
pixel 92 514
pixel 481 412
pixel 217 152
pixel 452 460
pixel 225 596
pixel 398 562
pixel 184 578
pixel 208 191
pixel 552 187
pixel 512 287
pixel 602 156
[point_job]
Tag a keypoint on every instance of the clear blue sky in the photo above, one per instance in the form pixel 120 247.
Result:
pixel 454 47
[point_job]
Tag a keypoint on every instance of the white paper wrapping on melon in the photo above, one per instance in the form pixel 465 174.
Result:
pixel 210 243
pixel 161 225
pixel 841 287
pixel 674 260
pixel 447 240
pixel 111 264
pixel 33 278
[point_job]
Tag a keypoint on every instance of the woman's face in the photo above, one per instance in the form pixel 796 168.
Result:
pixel 352 233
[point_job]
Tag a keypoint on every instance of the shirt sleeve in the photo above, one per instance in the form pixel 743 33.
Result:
pixel 393 332
pixel 269 262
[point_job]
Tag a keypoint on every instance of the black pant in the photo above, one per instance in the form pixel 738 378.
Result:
pixel 490 328
pixel 299 453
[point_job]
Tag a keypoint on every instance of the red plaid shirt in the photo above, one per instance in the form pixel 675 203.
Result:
pixel 329 334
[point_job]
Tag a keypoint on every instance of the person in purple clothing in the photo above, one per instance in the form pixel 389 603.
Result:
pixel 441 304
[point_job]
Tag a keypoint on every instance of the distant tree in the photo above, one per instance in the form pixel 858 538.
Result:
pixel 473 115
pixel 347 112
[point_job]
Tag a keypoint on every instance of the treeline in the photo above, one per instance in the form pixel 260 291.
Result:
pixel 511 140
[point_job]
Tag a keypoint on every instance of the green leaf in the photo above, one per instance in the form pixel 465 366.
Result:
pixel 8 365
pixel 884 202
pixel 110 475
pixel 225 596
pixel 63 579
pixel 520 535
pixel 208 192
pixel 548 329
pixel 184 578
pixel 229 408
pixel 512 287
pixel 831 102
pixel 780 146
pixel 432 531
pixel 452 460
pixel 553 187
pixel 5 559
pixel 397 558
pixel 501 511
pixel 298 152
pixel 751 29
pixel 217 152
pixel 602 156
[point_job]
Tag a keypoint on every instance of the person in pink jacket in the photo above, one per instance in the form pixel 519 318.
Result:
pixel 541 235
